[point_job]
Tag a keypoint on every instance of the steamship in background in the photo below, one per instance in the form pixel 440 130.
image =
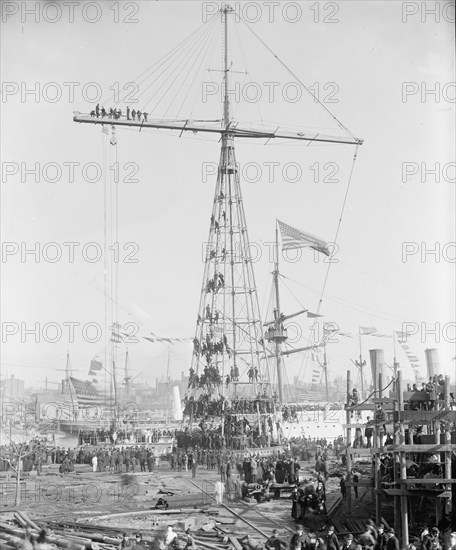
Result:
pixel 85 405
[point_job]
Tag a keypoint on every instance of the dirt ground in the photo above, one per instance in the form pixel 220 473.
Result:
pixel 84 496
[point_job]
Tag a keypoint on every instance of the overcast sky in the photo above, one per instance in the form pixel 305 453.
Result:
pixel 373 65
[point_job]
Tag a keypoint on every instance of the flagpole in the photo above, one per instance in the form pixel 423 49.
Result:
pixel 361 364
pixel 325 365
pixel 127 379
pixel 395 363
pixel 277 325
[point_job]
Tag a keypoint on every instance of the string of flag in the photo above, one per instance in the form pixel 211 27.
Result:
pixel 401 338
pixel 119 336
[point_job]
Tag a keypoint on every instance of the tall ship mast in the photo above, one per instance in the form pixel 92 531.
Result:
pixel 277 334
pixel 229 377
pixel 229 361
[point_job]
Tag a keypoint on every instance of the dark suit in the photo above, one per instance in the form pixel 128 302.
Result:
pixel 393 543
pixel 332 542
pixel 296 540
pixel 381 542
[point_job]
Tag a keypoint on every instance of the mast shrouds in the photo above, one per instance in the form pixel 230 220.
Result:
pixel 229 378
pixel 228 373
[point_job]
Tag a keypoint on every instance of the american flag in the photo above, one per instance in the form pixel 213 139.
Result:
pixel 94 367
pixel 295 238
pixel 86 394
pixel 309 395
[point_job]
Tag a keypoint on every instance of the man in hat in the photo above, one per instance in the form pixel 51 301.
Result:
pixel 298 539
pixel 382 539
pixel 369 432
pixel 355 478
pixel 273 542
pixel 343 487
pixel 349 543
pixel 393 542
pixel 332 542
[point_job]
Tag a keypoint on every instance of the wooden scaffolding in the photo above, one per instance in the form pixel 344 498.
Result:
pixel 405 410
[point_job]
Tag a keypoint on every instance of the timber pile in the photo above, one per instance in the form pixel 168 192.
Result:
pixel 72 535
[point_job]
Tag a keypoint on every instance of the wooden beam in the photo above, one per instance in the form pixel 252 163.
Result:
pixel 403 465
pixel 422 397
pixel 370 425
pixel 359 451
pixel 417 416
pixel 348 440
pixel 369 407
pixel 417 493
pixel 428 448
pixel 234 129
pixel 427 481
pixel 383 400
pixel 353 426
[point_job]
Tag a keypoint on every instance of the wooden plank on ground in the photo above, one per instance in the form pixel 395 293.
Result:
pixel 235 543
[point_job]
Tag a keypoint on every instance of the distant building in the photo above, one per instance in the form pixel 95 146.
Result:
pixel 12 388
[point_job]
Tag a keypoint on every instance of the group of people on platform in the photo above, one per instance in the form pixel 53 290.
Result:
pixel 131 114
pixel 432 390
pixel 238 434
pixel 418 466
pixel 123 436
pixel 207 406
pixel 208 348
pixel 214 284
pixel 209 379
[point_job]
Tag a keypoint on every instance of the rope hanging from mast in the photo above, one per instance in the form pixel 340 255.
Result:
pixel 339 123
pixel 344 202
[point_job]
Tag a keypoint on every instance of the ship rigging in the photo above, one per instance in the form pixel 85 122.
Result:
pixel 230 374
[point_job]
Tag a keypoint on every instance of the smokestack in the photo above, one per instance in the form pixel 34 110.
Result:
pixel 177 408
pixel 377 362
pixel 432 362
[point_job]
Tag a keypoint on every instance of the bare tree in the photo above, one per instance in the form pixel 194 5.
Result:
pixel 19 447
